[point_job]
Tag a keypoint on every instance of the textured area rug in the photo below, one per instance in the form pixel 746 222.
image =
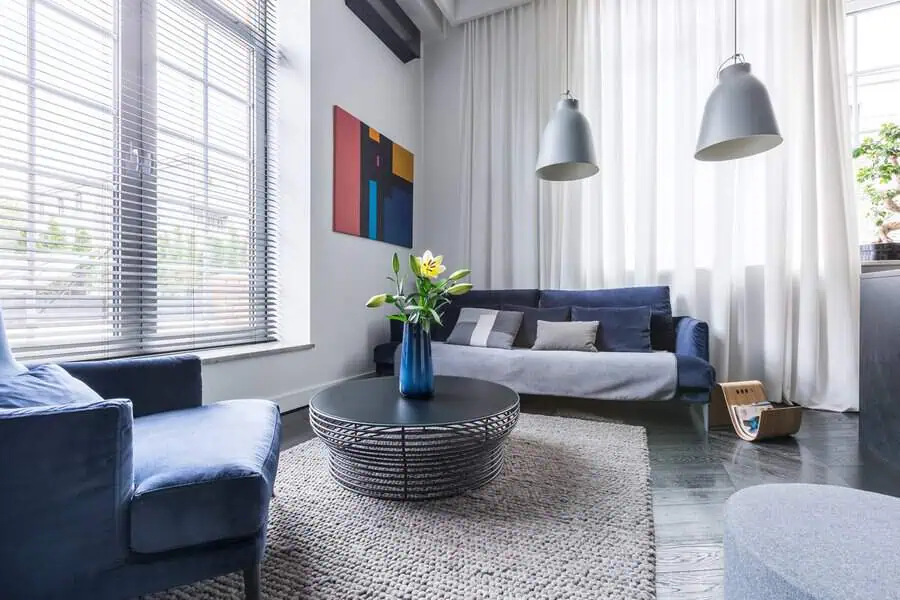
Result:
pixel 569 517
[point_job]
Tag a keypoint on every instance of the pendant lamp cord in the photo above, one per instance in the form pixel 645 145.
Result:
pixel 735 31
pixel 737 57
pixel 568 91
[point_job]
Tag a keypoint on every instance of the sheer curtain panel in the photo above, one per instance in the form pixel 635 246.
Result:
pixel 137 189
pixel 764 249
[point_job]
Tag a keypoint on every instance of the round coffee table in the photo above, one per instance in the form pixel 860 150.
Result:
pixel 384 445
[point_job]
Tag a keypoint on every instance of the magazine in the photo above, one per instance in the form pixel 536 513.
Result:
pixel 748 415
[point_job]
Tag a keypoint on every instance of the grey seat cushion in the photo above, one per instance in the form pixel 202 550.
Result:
pixel 811 542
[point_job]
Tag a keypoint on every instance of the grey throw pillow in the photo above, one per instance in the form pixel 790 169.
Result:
pixel 566 335
pixel 485 327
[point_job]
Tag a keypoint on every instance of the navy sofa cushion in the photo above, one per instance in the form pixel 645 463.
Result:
pixel 662 331
pixel 493 299
pixel 622 329
pixel 204 474
pixel 384 353
pixel 530 316
pixel 44 385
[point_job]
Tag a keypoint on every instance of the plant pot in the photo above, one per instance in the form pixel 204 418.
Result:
pixel 416 371
pixel 879 251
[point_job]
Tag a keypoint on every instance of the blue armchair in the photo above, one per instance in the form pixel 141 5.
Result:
pixel 146 490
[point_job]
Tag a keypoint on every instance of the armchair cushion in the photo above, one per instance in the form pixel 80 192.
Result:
pixel 203 474
pixel 44 385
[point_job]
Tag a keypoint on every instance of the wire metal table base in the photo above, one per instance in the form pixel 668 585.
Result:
pixel 414 462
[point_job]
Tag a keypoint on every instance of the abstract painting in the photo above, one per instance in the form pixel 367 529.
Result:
pixel 373 183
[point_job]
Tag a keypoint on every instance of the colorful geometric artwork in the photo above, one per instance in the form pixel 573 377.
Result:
pixel 373 183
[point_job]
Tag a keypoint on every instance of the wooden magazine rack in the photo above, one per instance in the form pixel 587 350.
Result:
pixel 778 421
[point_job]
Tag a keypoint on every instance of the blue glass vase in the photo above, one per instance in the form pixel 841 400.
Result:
pixel 416 372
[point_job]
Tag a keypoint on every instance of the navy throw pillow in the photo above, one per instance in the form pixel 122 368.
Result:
pixel 622 329
pixel 662 326
pixel 530 316
pixel 44 385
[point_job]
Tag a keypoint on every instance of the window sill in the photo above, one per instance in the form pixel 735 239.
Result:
pixel 221 355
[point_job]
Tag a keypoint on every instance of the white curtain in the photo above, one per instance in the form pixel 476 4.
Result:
pixel 763 248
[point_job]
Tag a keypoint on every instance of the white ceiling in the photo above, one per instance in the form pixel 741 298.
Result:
pixel 426 15
pixel 433 16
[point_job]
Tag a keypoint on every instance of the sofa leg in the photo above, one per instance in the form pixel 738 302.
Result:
pixel 700 416
pixel 251 583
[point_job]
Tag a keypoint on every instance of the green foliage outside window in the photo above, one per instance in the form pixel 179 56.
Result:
pixel 880 179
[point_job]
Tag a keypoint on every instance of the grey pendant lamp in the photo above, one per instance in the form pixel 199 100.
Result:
pixel 567 146
pixel 738 119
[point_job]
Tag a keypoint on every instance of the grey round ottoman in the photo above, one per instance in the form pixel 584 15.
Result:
pixel 800 542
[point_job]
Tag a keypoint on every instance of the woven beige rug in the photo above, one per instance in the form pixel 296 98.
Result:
pixel 569 517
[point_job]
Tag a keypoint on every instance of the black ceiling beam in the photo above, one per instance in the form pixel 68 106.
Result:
pixel 388 21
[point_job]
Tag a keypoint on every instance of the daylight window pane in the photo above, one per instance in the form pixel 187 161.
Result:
pixel 229 123
pixel 72 138
pixel 180 35
pixel 13 36
pixel 72 57
pixel 13 122
pixel 877 30
pixel 878 103
pixel 180 103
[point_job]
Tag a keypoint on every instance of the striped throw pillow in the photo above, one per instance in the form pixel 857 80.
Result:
pixel 486 327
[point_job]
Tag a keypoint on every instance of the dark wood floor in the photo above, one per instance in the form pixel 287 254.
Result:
pixel 693 473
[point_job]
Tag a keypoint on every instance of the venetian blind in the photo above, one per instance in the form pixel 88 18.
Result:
pixel 137 175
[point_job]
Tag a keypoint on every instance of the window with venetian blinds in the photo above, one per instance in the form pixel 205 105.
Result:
pixel 137 175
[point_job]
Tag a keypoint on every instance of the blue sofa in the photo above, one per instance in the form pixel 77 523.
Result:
pixel 143 491
pixel 686 337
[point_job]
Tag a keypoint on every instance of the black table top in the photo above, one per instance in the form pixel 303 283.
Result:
pixel 377 401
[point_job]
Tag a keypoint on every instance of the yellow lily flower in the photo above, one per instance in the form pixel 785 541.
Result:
pixel 431 266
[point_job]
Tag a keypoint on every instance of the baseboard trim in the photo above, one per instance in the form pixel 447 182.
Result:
pixel 295 399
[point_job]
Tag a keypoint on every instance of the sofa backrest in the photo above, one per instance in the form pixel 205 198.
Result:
pixel 475 299
pixel 662 328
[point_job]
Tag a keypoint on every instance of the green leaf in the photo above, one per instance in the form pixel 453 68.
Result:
pixel 435 316
pixel 395 264
pixel 396 317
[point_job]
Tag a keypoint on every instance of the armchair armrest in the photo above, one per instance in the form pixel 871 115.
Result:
pixel 66 479
pixel 153 384
pixel 691 337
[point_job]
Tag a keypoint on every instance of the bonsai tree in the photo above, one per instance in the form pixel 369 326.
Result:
pixel 880 178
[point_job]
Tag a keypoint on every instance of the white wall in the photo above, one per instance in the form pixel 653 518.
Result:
pixel 442 109
pixel 331 58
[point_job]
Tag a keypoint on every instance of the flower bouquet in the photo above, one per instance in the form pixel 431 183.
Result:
pixel 418 309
